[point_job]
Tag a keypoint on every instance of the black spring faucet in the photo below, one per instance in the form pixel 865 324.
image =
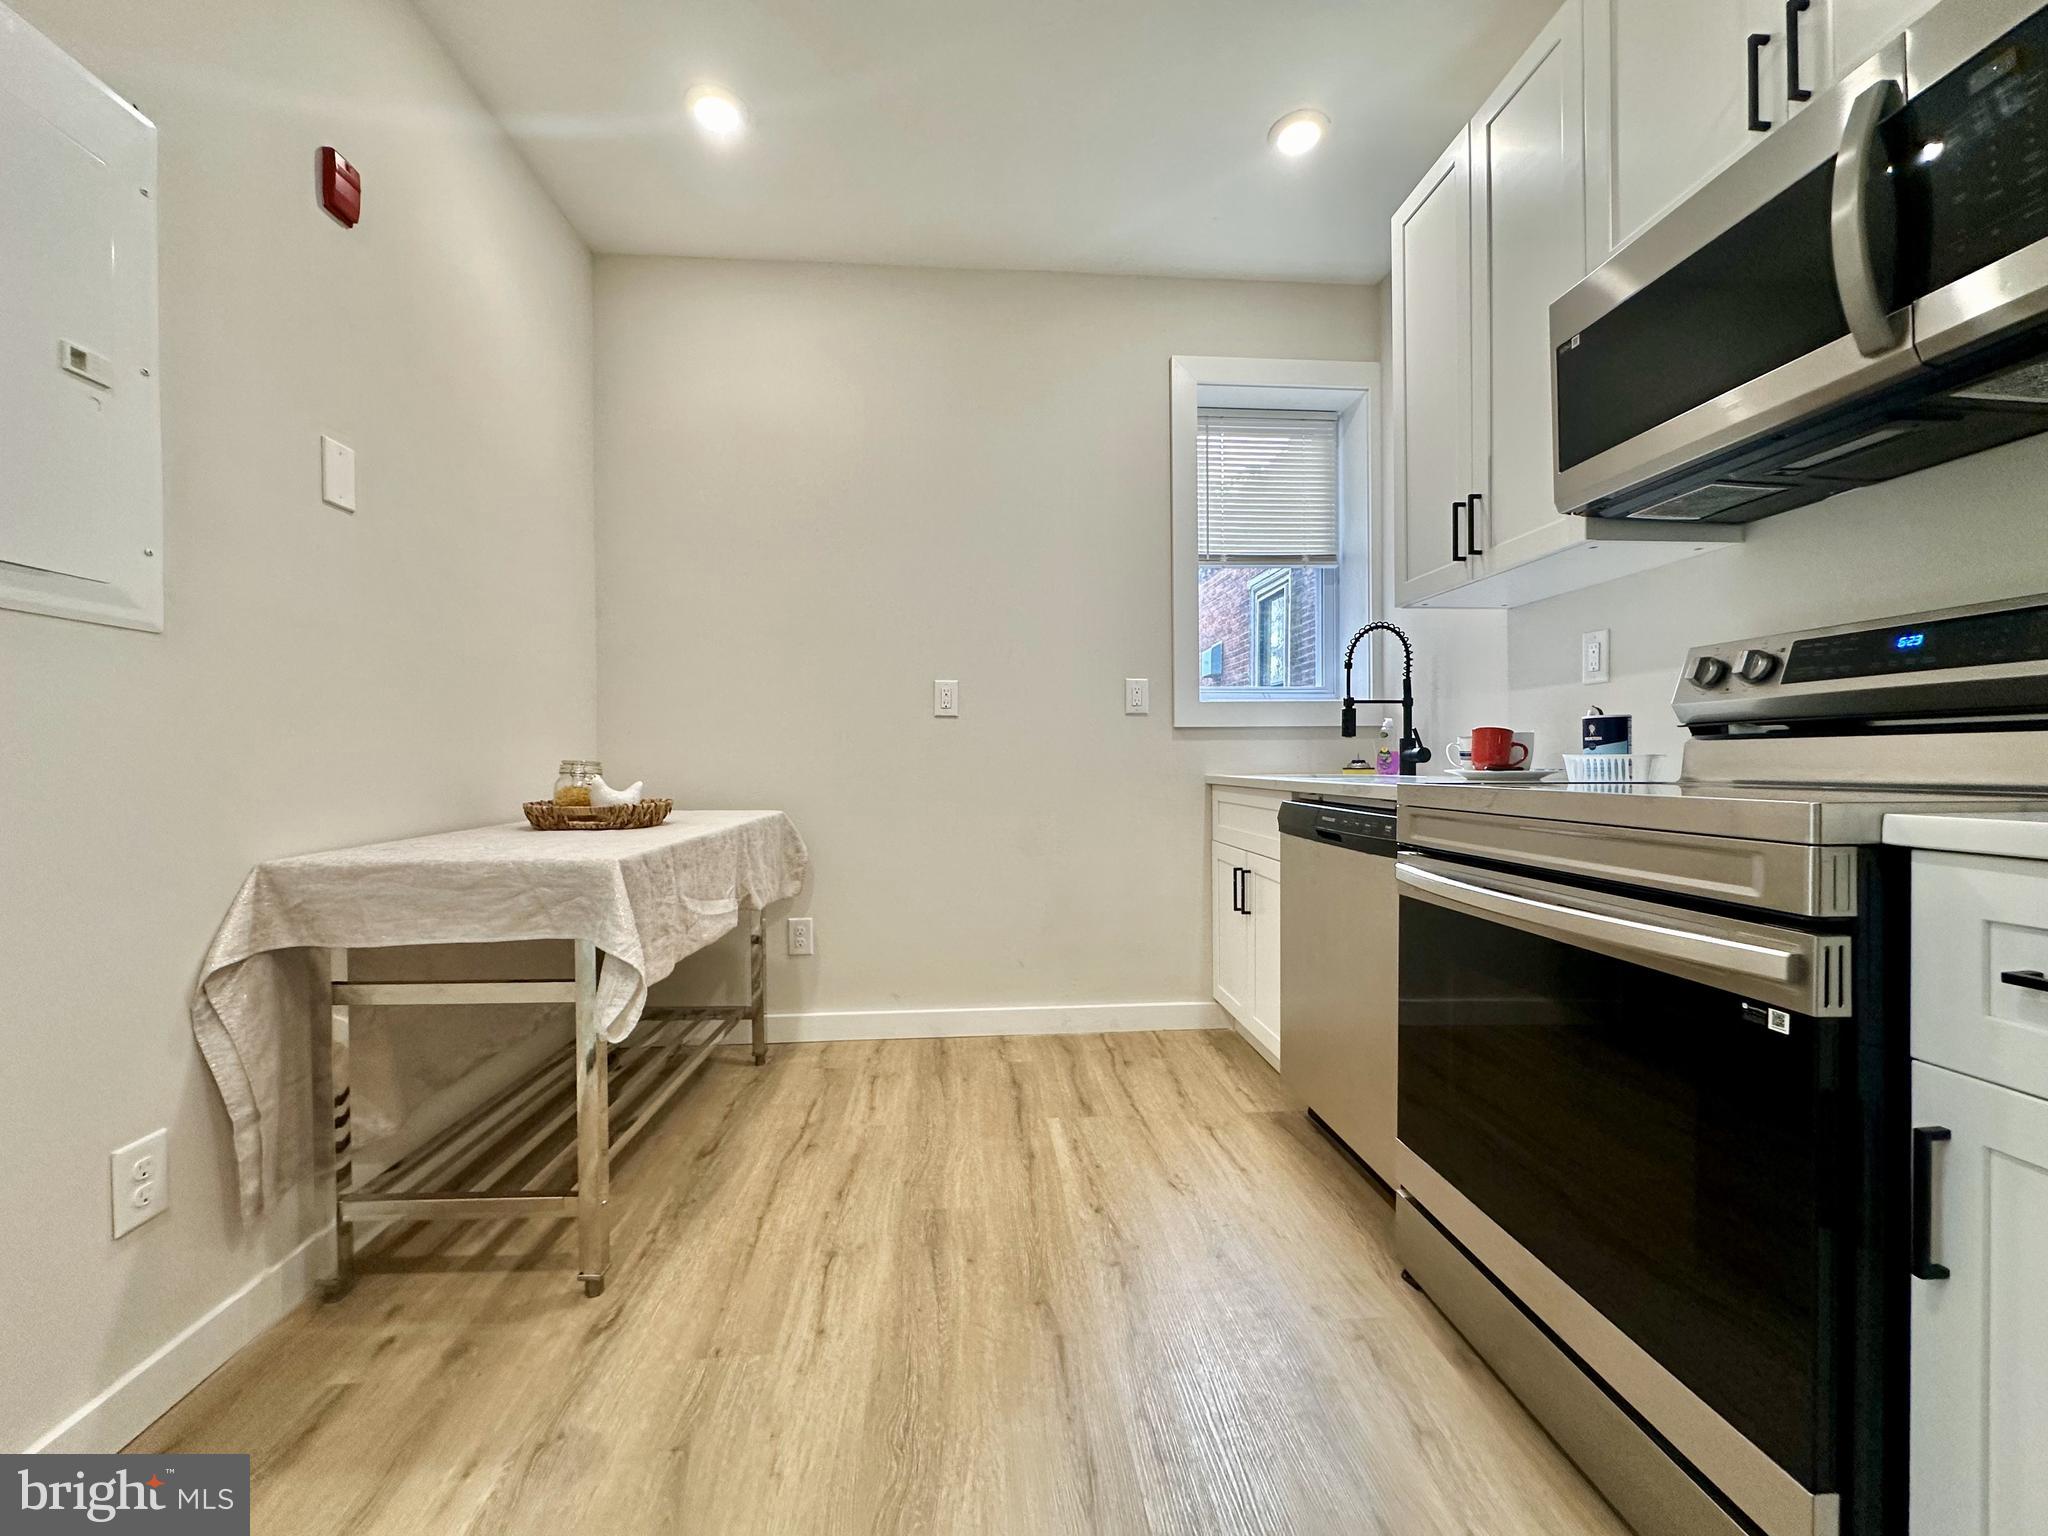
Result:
pixel 1413 753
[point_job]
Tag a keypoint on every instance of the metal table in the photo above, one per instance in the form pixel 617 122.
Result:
pixel 505 1136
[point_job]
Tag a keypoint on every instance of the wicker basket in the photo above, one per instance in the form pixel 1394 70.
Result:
pixel 546 816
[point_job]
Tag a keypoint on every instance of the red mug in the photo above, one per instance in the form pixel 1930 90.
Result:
pixel 1494 746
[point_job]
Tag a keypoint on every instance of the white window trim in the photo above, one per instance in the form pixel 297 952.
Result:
pixel 1352 390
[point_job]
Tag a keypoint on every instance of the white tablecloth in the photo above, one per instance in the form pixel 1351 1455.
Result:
pixel 647 898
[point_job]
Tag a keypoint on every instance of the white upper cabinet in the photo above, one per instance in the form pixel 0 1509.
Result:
pixel 1669 99
pixel 1432 441
pixel 1850 31
pixel 1668 102
pixel 1528 247
pixel 1497 231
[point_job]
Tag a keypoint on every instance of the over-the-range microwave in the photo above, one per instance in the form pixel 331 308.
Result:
pixel 1863 294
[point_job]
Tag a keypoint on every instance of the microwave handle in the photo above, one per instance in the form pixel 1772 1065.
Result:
pixel 1850 216
pixel 1776 965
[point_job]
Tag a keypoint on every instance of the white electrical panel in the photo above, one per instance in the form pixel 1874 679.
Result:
pixel 81 481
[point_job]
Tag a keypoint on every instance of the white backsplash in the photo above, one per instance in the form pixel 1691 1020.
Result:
pixel 1972 531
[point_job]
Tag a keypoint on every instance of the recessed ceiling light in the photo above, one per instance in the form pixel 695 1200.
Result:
pixel 717 111
pixel 1299 132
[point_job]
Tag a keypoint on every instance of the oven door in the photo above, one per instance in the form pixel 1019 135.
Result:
pixel 1630 1114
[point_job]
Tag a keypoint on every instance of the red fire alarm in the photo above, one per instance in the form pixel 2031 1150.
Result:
pixel 341 188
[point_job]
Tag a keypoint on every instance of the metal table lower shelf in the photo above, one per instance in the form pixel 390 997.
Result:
pixel 511 1157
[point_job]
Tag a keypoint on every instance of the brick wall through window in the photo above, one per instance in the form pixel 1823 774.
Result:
pixel 1227 609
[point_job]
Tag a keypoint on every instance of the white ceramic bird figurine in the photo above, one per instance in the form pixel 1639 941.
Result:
pixel 602 793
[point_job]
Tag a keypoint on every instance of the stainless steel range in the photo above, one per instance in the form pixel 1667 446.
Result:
pixel 1653 1128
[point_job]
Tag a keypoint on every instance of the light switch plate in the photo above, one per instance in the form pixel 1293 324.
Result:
pixel 337 474
pixel 1137 695
pixel 1593 658
pixel 140 1175
pixel 945 697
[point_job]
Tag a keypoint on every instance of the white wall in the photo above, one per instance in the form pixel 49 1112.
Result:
pixel 321 679
pixel 821 487
pixel 1968 532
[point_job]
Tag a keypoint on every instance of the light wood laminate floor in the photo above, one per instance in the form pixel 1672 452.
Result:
pixel 1092 1283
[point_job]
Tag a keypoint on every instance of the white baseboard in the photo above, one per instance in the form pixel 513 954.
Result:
pixel 939 1023
pixel 146 1392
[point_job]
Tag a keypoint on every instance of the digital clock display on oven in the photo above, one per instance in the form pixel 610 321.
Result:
pixel 1967 640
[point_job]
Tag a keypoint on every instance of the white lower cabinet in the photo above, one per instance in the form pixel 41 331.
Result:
pixel 1262 912
pixel 1244 913
pixel 1980 1335
pixel 1244 928
pixel 1230 937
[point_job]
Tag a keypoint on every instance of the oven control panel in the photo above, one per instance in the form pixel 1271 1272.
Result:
pixel 1992 657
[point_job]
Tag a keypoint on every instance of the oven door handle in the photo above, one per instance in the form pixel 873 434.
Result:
pixel 1808 973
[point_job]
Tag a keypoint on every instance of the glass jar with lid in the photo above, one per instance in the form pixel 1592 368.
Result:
pixel 573 780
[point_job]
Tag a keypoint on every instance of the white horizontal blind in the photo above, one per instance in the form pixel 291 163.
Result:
pixel 1266 487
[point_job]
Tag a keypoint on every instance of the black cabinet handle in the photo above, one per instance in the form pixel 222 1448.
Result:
pixel 1793 88
pixel 1924 1139
pixel 1237 902
pixel 2033 981
pixel 1456 554
pixel 1245 885
pixel 1758 41
pixel 1472 524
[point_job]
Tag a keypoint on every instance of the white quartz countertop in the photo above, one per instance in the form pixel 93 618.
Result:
pixel 2002 834
pixel 1326 786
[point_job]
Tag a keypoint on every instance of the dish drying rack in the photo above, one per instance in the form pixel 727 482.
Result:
pixel 1616 768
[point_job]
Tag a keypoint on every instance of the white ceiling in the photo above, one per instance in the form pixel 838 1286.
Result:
pixel 1059 135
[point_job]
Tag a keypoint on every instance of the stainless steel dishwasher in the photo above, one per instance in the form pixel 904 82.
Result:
pixel 1339 955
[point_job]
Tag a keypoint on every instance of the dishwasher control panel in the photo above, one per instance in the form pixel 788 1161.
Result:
pixel 1365 828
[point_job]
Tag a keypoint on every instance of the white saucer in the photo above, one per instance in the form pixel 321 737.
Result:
pixel 1501 775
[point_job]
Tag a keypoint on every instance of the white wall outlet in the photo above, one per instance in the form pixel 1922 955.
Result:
pixel 801 939
pixel 337 474
pixel 141 1180
pixel 1593 657
pixel 1137 695
pixel 946 696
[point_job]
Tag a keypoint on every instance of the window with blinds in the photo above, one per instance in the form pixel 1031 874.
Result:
pixel 1266 487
